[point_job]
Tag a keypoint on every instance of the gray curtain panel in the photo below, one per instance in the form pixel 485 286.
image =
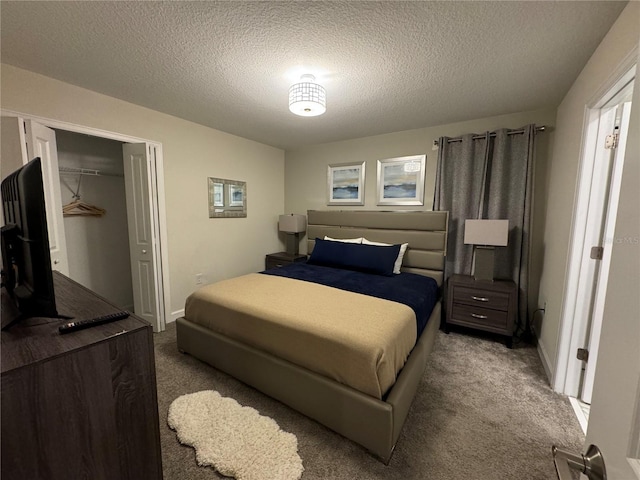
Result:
pixel 485 176
pixel 459 189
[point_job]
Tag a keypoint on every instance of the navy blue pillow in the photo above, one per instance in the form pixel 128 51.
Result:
pixel 354 256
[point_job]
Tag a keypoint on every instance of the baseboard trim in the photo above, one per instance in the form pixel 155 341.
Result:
pixel 175 315
pixel 582 418
pixel 544 358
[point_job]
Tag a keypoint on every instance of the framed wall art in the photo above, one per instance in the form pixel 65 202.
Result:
pixel 227 198
pixel 401 180
pixel 236 195
pixel 345 184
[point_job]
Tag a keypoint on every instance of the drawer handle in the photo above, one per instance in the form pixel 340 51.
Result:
pixel 480 299
pixel 481 317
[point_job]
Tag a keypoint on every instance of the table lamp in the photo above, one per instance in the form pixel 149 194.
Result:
pixel 485 235
pixel 292 225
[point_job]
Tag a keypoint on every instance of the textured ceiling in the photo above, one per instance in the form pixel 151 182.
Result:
pixel 387 66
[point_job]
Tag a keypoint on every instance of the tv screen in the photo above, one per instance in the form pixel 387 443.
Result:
pixel 26 261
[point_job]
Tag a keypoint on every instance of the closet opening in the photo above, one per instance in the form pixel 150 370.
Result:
pixel 95 215
pixel 106 195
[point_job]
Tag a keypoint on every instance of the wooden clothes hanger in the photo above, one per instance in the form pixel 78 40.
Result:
pixel 77 207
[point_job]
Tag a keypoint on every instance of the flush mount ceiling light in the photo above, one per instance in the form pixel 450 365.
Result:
pixel 307 98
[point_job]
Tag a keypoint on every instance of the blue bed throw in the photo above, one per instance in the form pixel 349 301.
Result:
pixel 416 291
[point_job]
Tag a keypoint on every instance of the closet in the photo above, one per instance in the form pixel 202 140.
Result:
pixel 95 215
pixel 105 192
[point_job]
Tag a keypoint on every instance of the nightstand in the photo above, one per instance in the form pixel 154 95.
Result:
pixel 280 259
pixel 483 305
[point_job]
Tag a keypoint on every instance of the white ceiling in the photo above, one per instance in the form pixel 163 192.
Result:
pixel 387 66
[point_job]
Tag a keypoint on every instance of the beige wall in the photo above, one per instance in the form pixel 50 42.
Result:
pixel 218 248
pixel 306 168
pixel 563 171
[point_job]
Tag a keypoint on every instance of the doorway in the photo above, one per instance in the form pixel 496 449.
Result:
pixel 91 172
pixel 592 237
pixel 149 201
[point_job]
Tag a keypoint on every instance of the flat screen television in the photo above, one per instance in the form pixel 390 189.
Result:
pixel 26 260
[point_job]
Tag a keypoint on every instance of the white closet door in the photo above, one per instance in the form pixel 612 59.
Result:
pixel 41 142
pixel 142 243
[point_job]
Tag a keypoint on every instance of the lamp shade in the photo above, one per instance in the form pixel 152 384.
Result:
pixel 486 232
pixel 292 223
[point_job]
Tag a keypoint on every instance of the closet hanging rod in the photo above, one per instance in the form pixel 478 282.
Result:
pixel 87 171
pixel 541 128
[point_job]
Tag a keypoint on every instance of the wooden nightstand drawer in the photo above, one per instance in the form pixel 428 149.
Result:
pixel 277 260
pixel 481 298
pixel 482 305
pixel 273 263
pixel 479 317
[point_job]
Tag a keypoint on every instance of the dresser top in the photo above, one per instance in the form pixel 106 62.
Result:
pixel 37 339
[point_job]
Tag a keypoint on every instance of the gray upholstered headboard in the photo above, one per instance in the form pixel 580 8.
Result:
pixel 425 231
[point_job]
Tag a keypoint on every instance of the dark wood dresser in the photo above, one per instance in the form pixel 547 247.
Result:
pixel 483 305
pixel 81 405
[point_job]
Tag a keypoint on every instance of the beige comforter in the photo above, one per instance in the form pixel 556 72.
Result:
pixel 355 339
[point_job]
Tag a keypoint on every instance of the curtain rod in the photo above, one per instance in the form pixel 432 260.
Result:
pixel 541 128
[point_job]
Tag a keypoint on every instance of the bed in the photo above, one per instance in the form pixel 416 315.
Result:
pixel 370 414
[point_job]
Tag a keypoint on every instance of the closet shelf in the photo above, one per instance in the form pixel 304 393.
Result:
pixel 87 171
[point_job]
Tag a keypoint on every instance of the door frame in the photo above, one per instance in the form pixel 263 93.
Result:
pixel 609 219
pixel 573 330
pixel 156 179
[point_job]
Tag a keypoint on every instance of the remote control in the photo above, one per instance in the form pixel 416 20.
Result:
pixel 91 322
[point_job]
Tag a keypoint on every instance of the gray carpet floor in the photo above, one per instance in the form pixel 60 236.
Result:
pixel 482 411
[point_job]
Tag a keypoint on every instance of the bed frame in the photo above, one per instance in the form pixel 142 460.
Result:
pixel 375 424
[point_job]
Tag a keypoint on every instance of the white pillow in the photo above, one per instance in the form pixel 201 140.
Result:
pixel 344 240
pixel 403 249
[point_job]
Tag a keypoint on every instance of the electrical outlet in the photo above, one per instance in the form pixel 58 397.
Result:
pixel 199 278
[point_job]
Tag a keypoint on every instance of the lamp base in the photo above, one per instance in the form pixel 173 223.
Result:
pixel 483 264
pixel 292 243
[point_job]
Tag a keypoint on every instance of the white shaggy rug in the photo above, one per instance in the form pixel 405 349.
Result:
pixel 237 441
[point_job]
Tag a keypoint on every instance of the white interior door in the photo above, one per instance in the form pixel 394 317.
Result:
pixel 138 178
pixel 607 239
pixel 593 224
pixel 41 142
pixel 594 186
pixel 614 420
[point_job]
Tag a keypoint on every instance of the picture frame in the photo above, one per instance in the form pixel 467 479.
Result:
pixel 345 183
pixel 236 195
pixel 227 198
pixel 401 180
pixel 218 194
